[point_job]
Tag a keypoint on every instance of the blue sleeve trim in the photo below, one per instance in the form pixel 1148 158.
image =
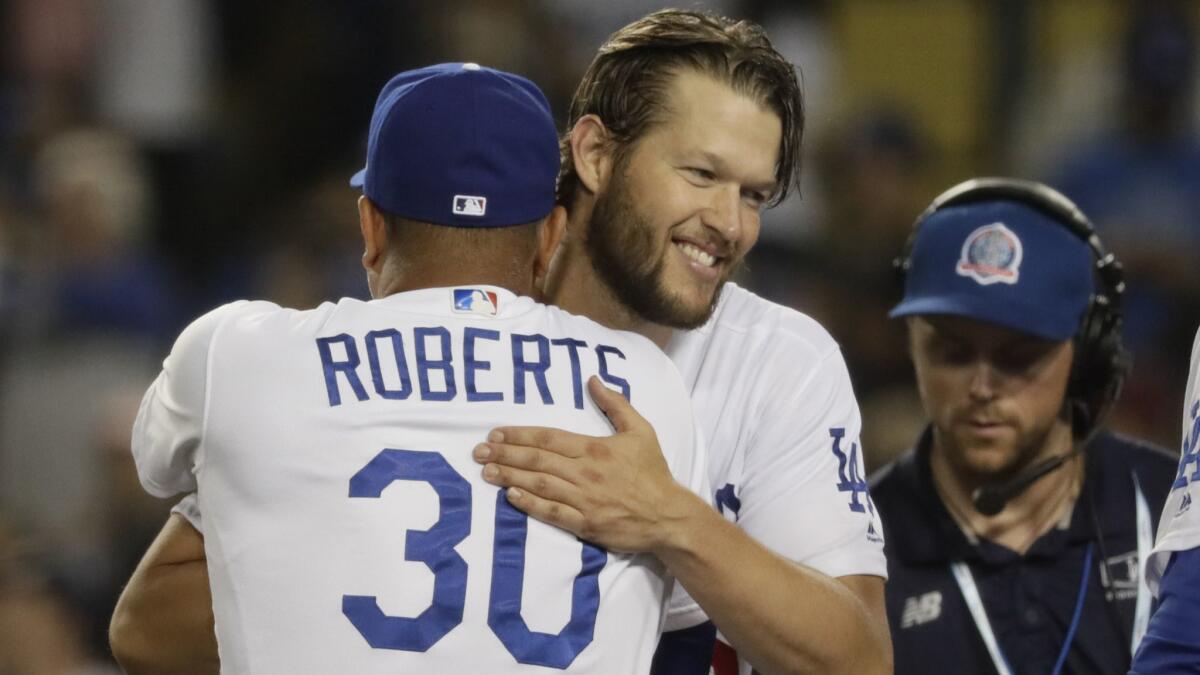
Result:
pixel 1172 644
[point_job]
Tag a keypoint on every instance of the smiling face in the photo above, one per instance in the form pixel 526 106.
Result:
pixel 993 395
pixel 682 205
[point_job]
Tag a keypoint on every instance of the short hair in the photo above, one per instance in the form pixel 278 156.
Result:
pixel 484 244
pixel 626 82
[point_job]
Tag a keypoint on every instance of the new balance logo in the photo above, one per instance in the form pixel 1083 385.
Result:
pixel 921 609
pixel 1185 503
pixel 469 205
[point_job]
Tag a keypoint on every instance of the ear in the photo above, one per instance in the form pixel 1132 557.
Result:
pixel 374 233
pixel 550 234
pixel 591 152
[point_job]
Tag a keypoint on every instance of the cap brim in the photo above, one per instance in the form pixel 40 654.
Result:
pixel 1028 320
pixel 359 179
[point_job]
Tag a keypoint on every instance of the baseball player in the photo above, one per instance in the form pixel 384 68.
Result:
pixel 664 202
pixel 346 527
pixel 1171 644
pixel 684 127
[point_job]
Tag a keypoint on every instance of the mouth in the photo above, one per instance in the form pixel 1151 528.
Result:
pixel 704 259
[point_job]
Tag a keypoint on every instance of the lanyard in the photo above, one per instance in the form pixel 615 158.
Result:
pixel 966 584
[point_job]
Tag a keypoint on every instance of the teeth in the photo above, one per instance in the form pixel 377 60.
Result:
pixel 696 254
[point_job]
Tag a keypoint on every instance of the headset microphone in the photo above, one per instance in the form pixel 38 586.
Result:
pixel 990 499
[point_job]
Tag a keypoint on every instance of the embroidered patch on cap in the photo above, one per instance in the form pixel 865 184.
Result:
pixel 470 205
pixel 476 301
pixel 991 254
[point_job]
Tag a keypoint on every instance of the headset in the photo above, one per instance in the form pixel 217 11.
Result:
pixel 1101 361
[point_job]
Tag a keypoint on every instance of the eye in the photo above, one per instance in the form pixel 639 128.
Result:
pixel 755 198
pixel 701 175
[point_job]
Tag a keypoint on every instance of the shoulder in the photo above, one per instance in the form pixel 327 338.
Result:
pixel 1154 466
pixel 768 341
pixel 743 313
pixel 894 484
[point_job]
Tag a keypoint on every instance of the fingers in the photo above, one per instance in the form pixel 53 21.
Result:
pixel 541 485
pixel 523 457
pixel 615 406
pixel 555 440
pixel 547 511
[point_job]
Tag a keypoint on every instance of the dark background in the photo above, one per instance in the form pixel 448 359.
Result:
pixel 160 157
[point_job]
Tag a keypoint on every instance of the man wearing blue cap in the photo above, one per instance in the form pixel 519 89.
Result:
pixel 346 526
pixel 1016 527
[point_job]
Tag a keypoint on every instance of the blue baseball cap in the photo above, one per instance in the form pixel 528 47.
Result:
pixel 1000 261
pixel 462 145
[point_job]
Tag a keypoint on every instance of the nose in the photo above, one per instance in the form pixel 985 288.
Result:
pixel 983 381
pixel 724 213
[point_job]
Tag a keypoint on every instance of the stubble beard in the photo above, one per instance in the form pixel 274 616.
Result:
pixel 1024 452
pixel 620 245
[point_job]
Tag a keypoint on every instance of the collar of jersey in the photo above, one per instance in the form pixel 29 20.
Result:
pixel 440 301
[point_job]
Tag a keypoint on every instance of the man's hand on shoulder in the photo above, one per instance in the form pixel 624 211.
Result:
pixel 615 491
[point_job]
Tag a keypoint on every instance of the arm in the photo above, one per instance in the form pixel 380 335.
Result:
pixel 163 622
pixel 617 491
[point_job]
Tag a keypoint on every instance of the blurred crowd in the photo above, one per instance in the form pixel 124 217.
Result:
pixel 160 157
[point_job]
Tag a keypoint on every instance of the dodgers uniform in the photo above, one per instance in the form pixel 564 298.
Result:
pixel 1180 529
pixel 1172 644
pixel 347 528
pixel 778 414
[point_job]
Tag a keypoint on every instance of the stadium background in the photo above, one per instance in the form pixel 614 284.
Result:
pixel 159 157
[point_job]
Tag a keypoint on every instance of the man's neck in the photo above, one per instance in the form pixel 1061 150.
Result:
pixel 1028 515
pixel 576 287
pixel 399 278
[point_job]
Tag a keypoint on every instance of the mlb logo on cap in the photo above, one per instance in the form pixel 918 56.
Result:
pixel 476 301
pixel 470 205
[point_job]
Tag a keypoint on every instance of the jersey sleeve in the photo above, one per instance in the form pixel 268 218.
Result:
pixel 1179 526
pixel 170 421
pixel 189 509
pixel 805 493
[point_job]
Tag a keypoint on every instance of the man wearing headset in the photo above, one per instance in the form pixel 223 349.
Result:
pixel 1015 529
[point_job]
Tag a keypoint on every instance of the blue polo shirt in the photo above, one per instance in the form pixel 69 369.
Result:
pixel 1030 600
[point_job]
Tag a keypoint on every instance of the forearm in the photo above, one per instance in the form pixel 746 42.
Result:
pixel 780 616
pixel 163 622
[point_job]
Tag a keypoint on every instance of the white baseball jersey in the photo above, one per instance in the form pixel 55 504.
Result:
pixel 781 424
pixel 1179 527
pixel 348 529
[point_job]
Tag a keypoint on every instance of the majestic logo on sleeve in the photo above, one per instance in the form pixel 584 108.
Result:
pixel 476 301
pixel 469 205
pixel 991 254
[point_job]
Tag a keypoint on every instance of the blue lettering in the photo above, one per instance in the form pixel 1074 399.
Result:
pixel 401 364
pixel 1190 453
pixel 537 368
pixel 573 346
pixel 852 481
pixel 726 499
pixel 424 364
pixel 472 365
pixel 346 368
pixel 619 382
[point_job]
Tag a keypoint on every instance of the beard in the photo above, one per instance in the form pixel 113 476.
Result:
pixel 1025 450
pixel 620 245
